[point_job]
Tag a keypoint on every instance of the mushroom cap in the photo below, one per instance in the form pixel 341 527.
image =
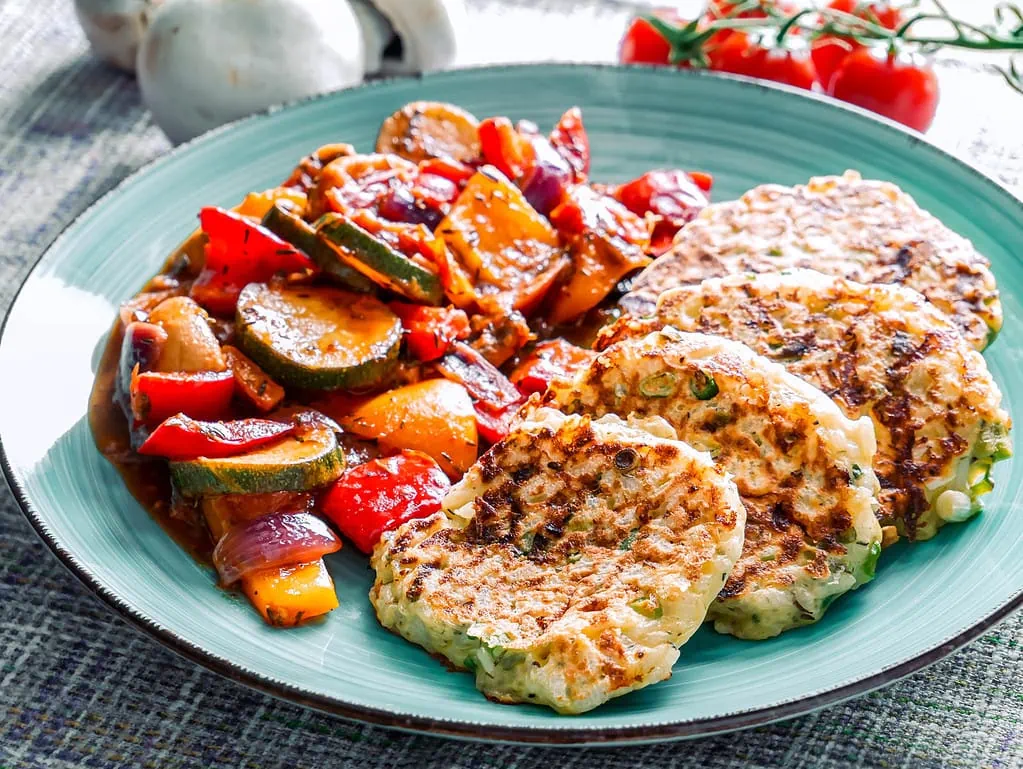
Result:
pixel 429 31
pixel 206 62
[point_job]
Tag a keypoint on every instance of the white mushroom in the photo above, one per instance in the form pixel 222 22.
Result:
pixel 428 31
pixel 206 62
pixel 377 34
pixel 114 28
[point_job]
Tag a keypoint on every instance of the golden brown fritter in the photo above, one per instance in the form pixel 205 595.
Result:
pixel 863 230
pixel 803 469
pixel 880 351
pixel 569 564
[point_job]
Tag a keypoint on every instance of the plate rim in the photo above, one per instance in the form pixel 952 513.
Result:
pixel 463 729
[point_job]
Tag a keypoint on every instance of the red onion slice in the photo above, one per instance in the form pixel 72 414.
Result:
pixel 273 540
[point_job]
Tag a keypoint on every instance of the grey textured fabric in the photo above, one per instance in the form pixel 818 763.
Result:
pixel 79 688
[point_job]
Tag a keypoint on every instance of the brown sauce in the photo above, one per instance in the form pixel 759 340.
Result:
pixel 147 479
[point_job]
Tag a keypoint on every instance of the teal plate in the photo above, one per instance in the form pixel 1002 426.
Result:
pixel 926 601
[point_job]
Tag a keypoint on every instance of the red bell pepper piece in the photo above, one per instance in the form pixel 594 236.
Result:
pixel 382 494
pixel 239 252
pixel 493 427
pixel 502 146
pixel 181 437
pixel 485 383
pixel 550 360
pixel 155 396
pixel 430 331
pixel 586 209
pixel 673 197
pixel 452 170
pixel 570 140
pixel 253 383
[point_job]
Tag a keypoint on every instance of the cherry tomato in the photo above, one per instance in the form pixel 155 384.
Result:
pixel 723 9
pixel 791 66
pixel 830 50
pixel 902 88
pixel 642 44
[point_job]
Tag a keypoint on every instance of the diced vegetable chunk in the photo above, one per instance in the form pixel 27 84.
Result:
pixel 430 331
pixel 608 242
pixel 501 249
pixel 381 261
pixel 552 359
pixel 318 338
pixel 254 384
pixel 240 252
pixel 181 437
pixel 303 460
pixel 382 494
pixel 289 595
pixel 155 396
pixel 191 346
pixel 434 416
pixel 272 541
pixel 428 129
pixel 292 228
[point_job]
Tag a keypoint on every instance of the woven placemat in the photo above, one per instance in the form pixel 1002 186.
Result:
pixel 79 688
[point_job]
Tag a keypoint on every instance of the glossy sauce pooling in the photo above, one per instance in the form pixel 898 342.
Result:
pixel 147 479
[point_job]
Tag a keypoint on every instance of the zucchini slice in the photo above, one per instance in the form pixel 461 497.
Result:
pixel 378 261
pixel 298 233
pixel 305 460
pixel 318 338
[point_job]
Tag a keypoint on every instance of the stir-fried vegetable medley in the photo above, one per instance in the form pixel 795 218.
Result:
pixel 330 355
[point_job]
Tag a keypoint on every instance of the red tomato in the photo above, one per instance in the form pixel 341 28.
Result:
pixel 382 494
pixel 722 9
pixel 902 88
pixel 830 50
pixel 791 66
pixel 642 44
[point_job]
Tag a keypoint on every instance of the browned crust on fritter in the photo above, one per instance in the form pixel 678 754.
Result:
pixel 864 230
pixel 532 539
pixel 878 351
pixel 771 486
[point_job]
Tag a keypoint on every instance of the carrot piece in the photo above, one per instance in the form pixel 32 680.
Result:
pixel 252 382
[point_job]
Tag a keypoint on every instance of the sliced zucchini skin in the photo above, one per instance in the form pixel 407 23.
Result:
pixel 255 328
pixel 260 472
pixel 298 233
pixel 378 261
